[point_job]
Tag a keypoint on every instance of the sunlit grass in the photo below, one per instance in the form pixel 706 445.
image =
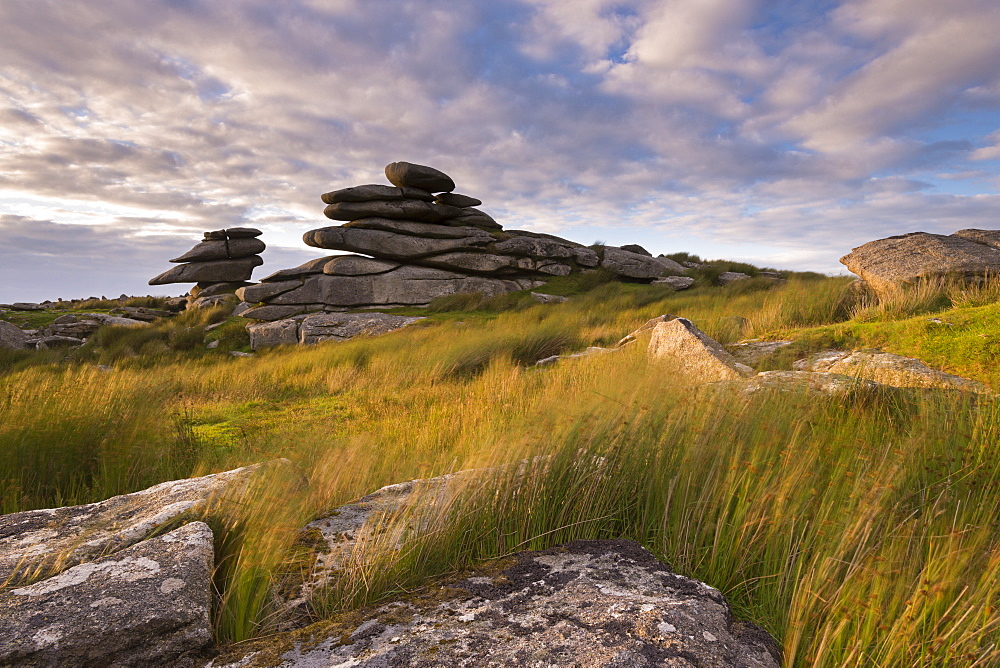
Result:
pixel 861 532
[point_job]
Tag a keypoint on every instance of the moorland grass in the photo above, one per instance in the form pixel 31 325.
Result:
pixel 860 532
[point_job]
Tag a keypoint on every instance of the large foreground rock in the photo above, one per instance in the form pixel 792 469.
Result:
pixel 147 605
pixel 586 603
pixel 693 355
pixel 36 543
pixel 887 369
pixel 886 264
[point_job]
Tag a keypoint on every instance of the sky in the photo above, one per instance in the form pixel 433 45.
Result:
pixel 781 132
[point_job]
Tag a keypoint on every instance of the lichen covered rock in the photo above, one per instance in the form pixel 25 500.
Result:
pixel 586 603
pixel 147 605
pixel 36 543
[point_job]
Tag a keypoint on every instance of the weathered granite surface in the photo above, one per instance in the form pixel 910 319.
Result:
pixel 675 282
pixel 691 354
pixel 12 337
pixel 36 543
pixel 212 271
pixel 886 264
pixel 834 384
pixel 322 327
pixel 585 603
pixel 887 369
pixel 752 353
pixel 147 605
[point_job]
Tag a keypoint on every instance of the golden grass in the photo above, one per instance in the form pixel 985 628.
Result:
pixel 861 533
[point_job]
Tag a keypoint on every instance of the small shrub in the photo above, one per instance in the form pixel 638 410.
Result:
pixel 684 257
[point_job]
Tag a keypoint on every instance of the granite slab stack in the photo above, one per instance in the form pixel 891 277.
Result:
pixel 417 240
pixel 220 264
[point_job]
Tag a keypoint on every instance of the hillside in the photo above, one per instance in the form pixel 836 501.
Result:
pixel 858 530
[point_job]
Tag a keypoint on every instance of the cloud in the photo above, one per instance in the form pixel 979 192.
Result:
pixel 930 55
pixel 803 123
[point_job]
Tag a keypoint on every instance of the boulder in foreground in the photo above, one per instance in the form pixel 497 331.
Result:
pixel 585 603
pixel 692 354
pixel 36 543
pixel 147 605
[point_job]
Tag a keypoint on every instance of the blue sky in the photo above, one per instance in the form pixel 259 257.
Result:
pixel 782 133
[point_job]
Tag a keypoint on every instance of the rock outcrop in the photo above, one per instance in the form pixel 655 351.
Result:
pixel 220 264
pixel 697 359
pixel 146 605
pixel 585 603
pixel 727 277
pixel 887 369
pixel 816 382
pixel 37 543
pixel 693 355
pixel 12 337
pixel 417 240
pixel 73 329
pixel 321 327
pixel 886 264
pixel 754 352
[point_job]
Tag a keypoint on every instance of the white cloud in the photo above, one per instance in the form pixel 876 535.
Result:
pixel 933 52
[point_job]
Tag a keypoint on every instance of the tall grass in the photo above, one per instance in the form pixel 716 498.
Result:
pixel 852 531
pixel 927 296
pixel 860 533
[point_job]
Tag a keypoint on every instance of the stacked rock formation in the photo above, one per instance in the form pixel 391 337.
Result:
pixel 417 240
pixel 220 264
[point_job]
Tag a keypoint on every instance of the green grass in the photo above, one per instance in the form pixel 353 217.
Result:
pixel 861 532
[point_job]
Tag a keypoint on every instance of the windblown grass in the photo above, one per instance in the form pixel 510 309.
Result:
pixel 861 532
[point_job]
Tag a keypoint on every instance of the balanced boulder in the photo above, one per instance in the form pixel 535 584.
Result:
pixel 215 271
pixel 409 175
pixel 222 249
